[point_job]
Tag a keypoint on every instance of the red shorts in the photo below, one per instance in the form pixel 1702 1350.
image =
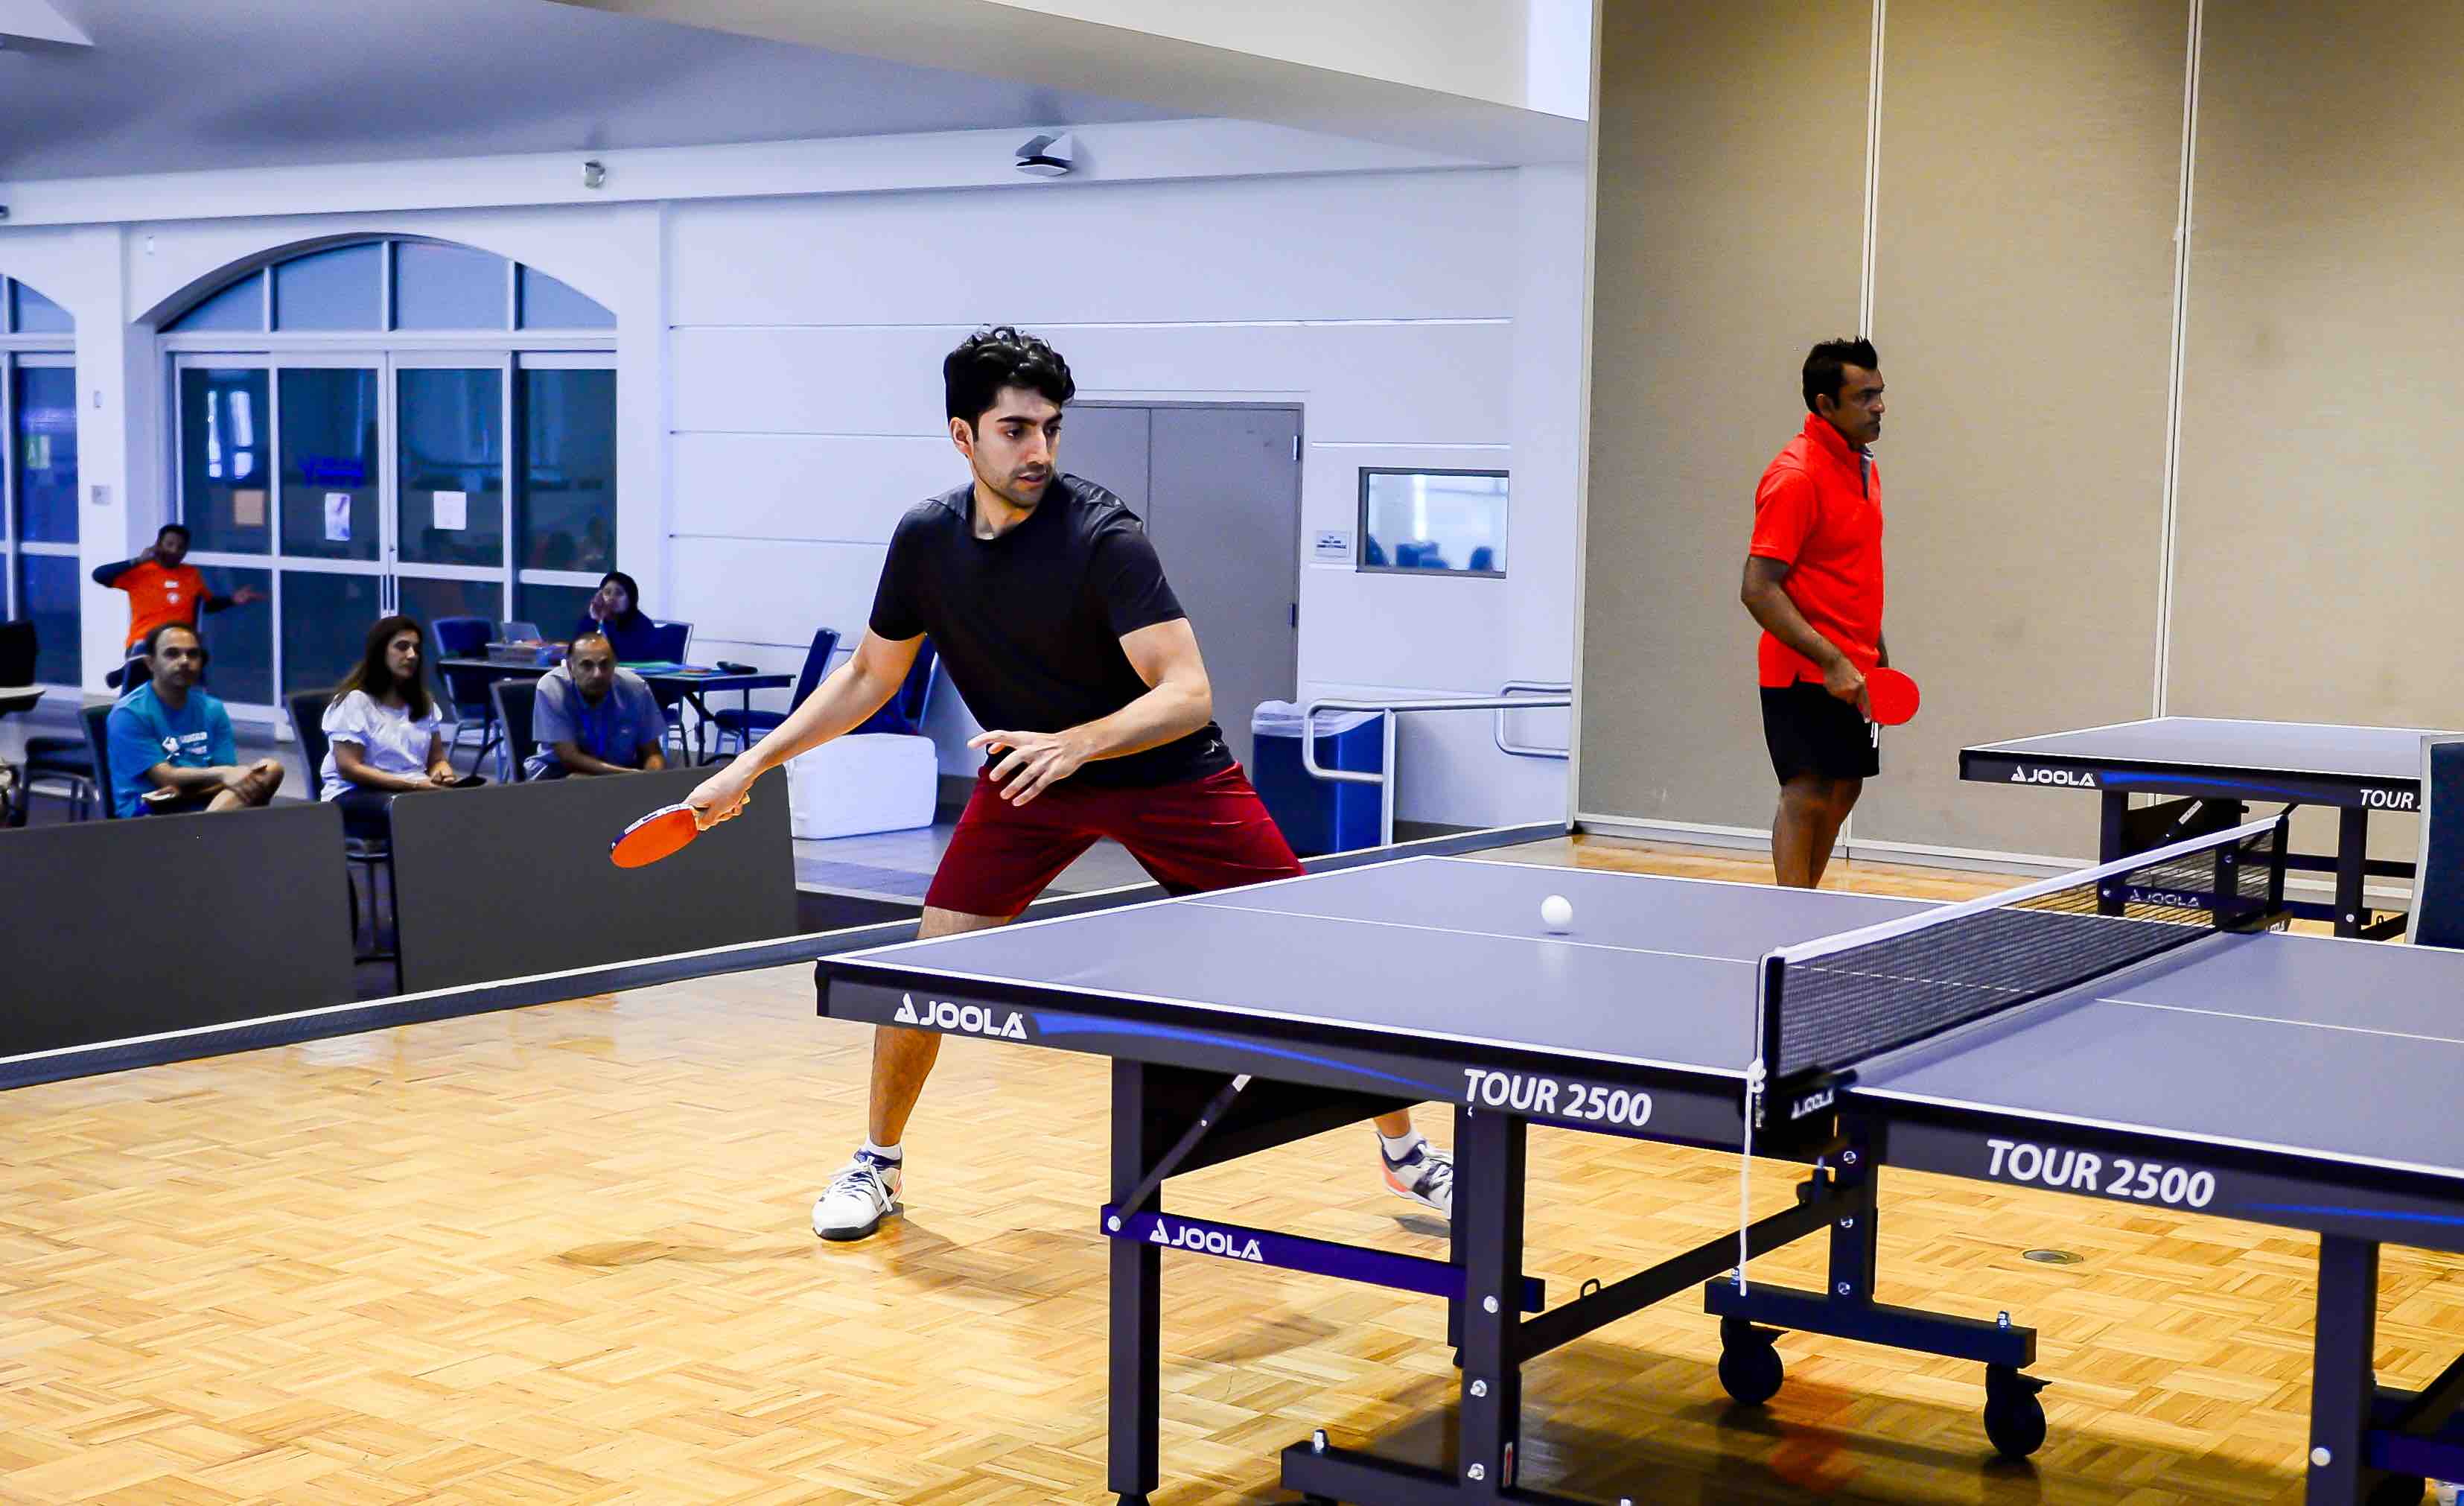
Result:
pixel 1193 836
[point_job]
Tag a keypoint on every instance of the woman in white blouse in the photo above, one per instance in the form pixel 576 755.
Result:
pixel 382 730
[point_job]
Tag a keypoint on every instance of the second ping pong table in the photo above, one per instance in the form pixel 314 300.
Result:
pixel 2209 770
pixel 2156 1059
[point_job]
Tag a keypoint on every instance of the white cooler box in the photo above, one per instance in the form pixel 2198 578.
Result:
pixel 867 782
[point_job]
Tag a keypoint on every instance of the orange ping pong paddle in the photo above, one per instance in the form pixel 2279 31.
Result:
pixel 662 834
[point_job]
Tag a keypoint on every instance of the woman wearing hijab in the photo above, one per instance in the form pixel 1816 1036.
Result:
pixel 616 612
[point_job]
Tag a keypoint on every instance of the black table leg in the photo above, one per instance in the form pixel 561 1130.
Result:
pixel 2352 856
pixel 1133 1465
pixel 2112 840
pixel 1490 1159
pixel 2342 1381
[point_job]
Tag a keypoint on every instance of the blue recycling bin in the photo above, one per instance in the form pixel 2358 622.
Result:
pixel 1318 815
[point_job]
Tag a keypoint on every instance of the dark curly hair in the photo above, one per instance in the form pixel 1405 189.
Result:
pixel 997 357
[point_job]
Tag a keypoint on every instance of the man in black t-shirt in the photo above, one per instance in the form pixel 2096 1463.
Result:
pixel 1047 603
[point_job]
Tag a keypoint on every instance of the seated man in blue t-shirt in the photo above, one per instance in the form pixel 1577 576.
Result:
pixel 592 717
pixel 170 743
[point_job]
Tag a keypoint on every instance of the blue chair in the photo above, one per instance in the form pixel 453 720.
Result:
pixel 735 722
pixel 466 691
pixel 904 712
pixel 670 642
pixel 2438 882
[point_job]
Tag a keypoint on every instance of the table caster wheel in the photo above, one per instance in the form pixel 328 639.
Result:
pixel 1750 1370
pixel 2014 1419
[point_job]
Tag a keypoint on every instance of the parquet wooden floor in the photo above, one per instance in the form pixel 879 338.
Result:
pixel 561 1255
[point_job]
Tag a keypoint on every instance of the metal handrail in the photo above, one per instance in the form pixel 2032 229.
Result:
pixel 1526 687
pixel 1384 777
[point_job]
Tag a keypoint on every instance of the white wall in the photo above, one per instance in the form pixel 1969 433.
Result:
pixel 77 267
pixel 780 400
pixel 807 408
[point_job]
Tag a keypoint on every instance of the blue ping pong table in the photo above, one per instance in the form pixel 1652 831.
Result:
pixel 2209 769
pixel 2159 1059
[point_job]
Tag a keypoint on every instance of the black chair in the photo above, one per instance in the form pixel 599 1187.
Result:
pixel 68 762
pixel 307 710
pixel 516 699
pixel 98 743
pixel 2438 876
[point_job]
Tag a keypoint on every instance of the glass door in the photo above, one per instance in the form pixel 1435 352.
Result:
pixel 38 507
pixel 222 422
pixel 452 414
pixel 330 513
pixel 564 484
pixel 346 485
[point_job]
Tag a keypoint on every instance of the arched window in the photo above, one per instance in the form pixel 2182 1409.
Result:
pixel 39 476
pixel 390 425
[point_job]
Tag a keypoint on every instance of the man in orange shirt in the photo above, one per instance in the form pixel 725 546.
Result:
pixel 161 588
pixel 1814 582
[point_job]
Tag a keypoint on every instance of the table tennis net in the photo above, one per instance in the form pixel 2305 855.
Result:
pixel 1831 1003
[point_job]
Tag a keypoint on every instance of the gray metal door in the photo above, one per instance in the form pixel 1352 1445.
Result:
pixel 1106 443
pixel 1220 488
pixel 1226 518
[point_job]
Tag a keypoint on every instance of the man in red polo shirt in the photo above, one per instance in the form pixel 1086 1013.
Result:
pixel 1814 581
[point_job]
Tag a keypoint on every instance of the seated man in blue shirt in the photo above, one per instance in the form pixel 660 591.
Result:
pixel 592 717
pixel 170 743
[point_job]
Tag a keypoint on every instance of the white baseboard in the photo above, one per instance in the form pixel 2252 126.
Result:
pixel 1733 838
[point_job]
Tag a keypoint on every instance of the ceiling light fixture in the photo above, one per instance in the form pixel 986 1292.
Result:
pixel 1047 156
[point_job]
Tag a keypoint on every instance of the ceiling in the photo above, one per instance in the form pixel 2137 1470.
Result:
pixel 177 85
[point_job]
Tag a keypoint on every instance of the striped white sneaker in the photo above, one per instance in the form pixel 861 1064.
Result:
pixel 864 1192
pixel 1426 1175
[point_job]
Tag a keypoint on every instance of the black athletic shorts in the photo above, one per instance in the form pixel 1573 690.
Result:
pixel 1811 731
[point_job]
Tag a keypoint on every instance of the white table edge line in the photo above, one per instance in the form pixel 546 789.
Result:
pixel 2271 1019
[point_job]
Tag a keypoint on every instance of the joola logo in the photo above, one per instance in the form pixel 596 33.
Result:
pixel 2167 897
pixel 1811 1102
pixel 2076 778
pixel 1205 1241
pixel 939 1014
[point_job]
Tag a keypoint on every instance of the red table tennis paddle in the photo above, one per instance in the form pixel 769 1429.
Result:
pixel 661 833
pixel 1891 696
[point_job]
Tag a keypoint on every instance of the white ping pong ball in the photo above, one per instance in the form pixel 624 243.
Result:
pixel 1555 913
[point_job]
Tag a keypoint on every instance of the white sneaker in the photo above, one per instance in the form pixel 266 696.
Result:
pixel 1425 1176
pixel 864 1192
